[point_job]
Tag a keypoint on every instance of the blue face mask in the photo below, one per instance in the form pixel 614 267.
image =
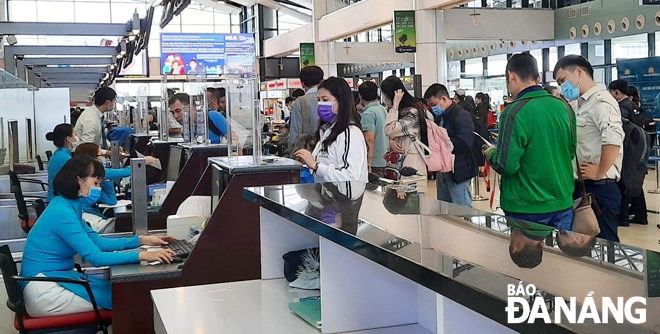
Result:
pixel 569 91
pixel 437 110
pixel 94 194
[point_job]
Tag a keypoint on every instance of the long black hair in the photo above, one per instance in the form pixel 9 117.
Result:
pixel 391 85
pixel 347 114
pixel 485 99
pixel 60 133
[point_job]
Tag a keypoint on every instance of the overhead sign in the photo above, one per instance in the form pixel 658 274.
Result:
pixel 307 57
pixel 192 54
pixel 349 81
pixel 138 68
pixel 405 38
pixel 644 74
pixel 294 83
pixel 276 84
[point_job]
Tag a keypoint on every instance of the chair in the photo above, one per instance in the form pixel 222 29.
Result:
pixel 15 180
pixel 97 319
pixel 26 222
pixel 40 162
pixel 49 154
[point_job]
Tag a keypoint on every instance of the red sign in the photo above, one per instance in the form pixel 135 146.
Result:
pixel 294 83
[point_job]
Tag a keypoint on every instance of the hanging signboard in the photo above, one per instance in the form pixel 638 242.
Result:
pixel 349 81
pixel 405 40
pixel 307 55
pixel 645 75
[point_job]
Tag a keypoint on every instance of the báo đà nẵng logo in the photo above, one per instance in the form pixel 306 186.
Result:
pixel 520 309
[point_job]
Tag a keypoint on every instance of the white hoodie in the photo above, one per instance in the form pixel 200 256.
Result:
pixel 345 159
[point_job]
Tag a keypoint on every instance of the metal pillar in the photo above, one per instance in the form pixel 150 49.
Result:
pixel 139 195
pixel 476 196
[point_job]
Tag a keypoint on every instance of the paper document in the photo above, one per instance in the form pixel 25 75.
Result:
pixel 195 206
pixel 156 163
pixel 120 203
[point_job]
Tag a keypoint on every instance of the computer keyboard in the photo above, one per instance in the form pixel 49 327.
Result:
pixel 182 248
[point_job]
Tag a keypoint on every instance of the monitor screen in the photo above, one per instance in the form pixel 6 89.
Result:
pixel 190 54
pixel 174 164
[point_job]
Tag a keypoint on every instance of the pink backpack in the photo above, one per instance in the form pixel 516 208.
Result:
pixel 437 154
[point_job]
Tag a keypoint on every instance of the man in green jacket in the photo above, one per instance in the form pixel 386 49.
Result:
pixel 536 149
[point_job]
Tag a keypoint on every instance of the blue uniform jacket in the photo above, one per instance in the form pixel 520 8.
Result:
pixel 59 234
pixel 108 195
pixel 59 158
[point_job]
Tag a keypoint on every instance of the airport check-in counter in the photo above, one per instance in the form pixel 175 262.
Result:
pixel 415 265
pixel 227 250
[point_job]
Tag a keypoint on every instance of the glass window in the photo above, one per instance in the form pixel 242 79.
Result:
pixel 497 65
pixel 194 14
pixel 597 53
pixel 197 28
pixel 538 55
pixel 51 11
pixel 573 49
pixel 223 29
pixel 122 12
pixel 92 12
pixel 27 40
pixel 553 58
pixel 630 47
pixel 599 75
pixel 23 11
pixel 474 66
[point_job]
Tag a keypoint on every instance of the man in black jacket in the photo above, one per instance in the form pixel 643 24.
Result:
pixel 632 194
pixel 454 187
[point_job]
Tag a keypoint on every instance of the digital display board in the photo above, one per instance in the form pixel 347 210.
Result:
pixel 138 68
pixel 189 54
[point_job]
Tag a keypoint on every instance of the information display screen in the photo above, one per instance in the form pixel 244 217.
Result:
pixel 189 54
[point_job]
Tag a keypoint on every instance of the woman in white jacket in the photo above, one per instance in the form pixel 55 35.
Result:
pixel 341 151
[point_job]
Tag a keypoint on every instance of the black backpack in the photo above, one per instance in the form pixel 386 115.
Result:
pixel 478 144
pixel 636 150
pixel 639 117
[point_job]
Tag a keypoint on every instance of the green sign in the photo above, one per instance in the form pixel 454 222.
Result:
pixel 652 274
pixel 307 55
pixel 405 40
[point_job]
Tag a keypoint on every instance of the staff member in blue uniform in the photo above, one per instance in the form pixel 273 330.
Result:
pixel 63 136
pixel 91 212
pixel 60 234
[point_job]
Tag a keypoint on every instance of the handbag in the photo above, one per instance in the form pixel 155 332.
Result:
pixel 585 211
pixel 394 162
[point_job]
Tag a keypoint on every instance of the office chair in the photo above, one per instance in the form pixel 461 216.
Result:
pixel 25 324
pixel 26 222
pixel 49 154
pixel 40 162
pixel 14 180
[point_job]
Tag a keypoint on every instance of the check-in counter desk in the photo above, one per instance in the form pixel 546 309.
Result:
pixel 227 250
pixel 413 265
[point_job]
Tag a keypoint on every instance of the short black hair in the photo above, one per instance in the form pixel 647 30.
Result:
pixel 170 92
pixel 298 93
pixel 311 76
pixel 436 90
pixel 571 62
pixel 59 134
pixel 288 99
pixel 104 94
pixel 620 85
pixel 215 93
pixel 368 91
pixel 182 97
pixel 524 65
pixel 222 92
pixel 65 182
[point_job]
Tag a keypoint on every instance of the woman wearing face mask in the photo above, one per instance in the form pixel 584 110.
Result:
pixel 63 136
pixel 341 151
pixel 406 122
pixel 61 233
pixel 105 194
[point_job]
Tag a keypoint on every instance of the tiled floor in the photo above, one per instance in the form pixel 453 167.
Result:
pixel 643 236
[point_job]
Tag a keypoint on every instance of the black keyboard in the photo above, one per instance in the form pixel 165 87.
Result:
pixel 182 248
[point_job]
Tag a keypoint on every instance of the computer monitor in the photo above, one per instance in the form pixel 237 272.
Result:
pixel 174 164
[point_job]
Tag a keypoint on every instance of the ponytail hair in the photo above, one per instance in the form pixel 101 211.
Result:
pixel 60 133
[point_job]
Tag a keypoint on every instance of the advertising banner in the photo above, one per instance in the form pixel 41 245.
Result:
pixel 307 55
pixel 404 32
pixel 644 74
pixel 190 54
pixel 649 2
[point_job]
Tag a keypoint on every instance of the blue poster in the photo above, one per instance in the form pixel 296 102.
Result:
pixel 190 54
pixel 649 2
pixel 644 74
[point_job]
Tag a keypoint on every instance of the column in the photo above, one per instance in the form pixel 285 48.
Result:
pixel 324 52
pixel 651 44
pixel 431 56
